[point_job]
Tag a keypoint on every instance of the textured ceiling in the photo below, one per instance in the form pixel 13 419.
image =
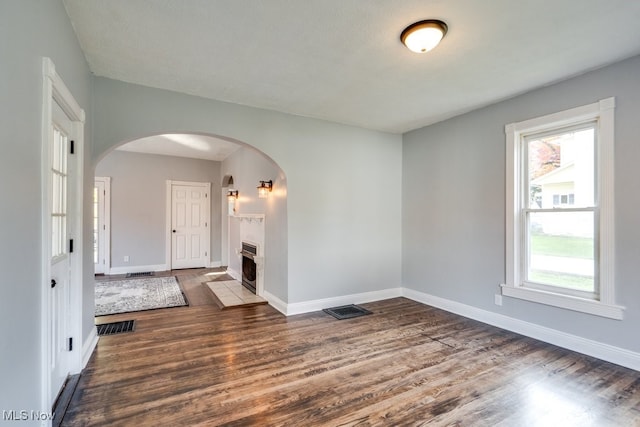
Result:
pixel 341 60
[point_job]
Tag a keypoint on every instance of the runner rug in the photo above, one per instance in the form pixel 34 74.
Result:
pixel 124 296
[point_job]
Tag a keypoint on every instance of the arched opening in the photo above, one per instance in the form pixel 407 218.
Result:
pixel 141 172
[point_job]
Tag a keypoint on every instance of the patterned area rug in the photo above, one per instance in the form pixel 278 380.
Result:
pixel 123 296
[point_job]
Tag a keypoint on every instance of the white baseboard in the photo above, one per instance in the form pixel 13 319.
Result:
pixel 138 269
pixel 596 349
pixel 89 345
pixel 214 264
pixel 275 302
pixel 319 304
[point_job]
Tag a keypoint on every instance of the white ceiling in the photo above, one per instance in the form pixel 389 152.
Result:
pixel 183 145
pixel 342 60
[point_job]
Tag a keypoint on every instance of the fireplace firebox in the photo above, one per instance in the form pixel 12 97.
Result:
pixel 248 253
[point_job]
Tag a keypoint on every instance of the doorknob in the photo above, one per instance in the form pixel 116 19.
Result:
pixel 53 283
pixel 174 231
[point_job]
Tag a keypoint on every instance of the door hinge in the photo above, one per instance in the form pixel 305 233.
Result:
pixel 72 147
pixel 70 246
pixel 70 344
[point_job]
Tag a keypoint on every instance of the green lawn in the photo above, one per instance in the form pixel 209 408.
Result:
pixel 565 280
pixel 564 246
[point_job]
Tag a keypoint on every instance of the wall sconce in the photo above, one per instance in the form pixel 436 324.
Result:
pixel 265 188
pixel 232 195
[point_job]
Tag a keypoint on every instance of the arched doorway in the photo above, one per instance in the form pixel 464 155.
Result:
pixel 139 170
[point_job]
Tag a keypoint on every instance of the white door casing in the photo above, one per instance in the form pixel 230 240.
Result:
pixel 62 166
pixel 102 225
pixel 224 234
pixel 188 219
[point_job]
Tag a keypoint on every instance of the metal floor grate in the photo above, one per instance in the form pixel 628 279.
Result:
pixel 116 327
pixel 346 311
pixel 141 274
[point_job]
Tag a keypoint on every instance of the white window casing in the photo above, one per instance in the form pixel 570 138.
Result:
pixel 603 303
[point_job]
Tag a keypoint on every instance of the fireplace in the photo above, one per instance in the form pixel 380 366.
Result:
pixel 249 253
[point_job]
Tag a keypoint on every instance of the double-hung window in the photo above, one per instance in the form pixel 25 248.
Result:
pixel 559 213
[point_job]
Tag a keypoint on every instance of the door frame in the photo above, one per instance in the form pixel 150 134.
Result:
pixel 106 221
pixel 169 217
pixel 54 90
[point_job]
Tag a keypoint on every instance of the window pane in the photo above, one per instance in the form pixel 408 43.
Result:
pixel 55 236
pixel 561 250
pixel 560 165
pixel 55 162
pixel 55 193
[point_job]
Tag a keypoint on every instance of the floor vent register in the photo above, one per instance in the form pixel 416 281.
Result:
pixel 346 311
pixel 116 327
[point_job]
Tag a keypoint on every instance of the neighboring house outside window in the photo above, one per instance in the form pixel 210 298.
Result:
pixel 560 210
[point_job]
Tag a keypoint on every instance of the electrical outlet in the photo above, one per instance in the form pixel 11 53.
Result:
pixel 498 299
pixel 126 258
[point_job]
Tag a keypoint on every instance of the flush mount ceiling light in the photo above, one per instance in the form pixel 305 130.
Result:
pixel 423 36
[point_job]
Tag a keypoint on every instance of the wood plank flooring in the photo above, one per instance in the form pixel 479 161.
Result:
pixel 405 364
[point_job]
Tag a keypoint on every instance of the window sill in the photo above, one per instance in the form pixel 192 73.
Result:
pixel 565 301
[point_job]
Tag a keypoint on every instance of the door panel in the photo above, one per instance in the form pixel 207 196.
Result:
pixel 59 297
pixel 189 223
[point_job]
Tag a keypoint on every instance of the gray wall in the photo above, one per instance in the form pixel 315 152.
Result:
pixel 248 167
pixel 343 198
pixel 351 193
pixel 454 202
pixel 138 203
pixel 29 30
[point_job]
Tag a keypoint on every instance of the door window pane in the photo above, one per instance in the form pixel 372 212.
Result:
pixel 59 193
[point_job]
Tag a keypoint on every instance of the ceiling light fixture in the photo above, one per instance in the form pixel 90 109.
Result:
pixel 423 36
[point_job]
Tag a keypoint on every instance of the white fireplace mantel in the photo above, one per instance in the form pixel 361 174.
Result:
pixel 249 217
pixel 251 231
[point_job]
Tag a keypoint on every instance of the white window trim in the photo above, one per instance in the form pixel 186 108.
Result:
pixel 603 112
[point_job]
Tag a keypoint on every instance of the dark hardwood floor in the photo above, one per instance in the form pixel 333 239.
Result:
pixel 405 364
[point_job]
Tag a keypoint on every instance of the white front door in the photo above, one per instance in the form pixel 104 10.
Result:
pixel 190 207
pixel 61 246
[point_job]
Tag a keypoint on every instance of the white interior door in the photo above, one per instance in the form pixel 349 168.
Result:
pixel 62 234
pixel 190 207
pixel 101 232
pixel 61 221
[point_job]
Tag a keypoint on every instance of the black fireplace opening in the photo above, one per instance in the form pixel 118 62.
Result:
pixel 249 252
